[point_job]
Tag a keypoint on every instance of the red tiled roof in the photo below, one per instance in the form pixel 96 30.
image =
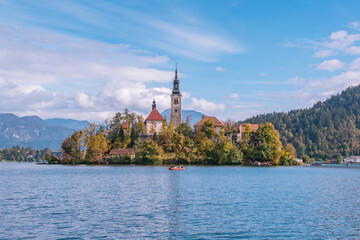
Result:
pixel 124 125
pixel 122 152
pixel 154 116
pixel 216 122
pixel 254 127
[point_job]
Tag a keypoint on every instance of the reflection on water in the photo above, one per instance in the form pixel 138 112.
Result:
pixel 82 202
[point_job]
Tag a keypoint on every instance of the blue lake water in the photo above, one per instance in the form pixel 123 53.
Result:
pixel 103 202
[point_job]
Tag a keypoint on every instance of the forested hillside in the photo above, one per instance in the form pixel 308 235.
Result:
pixel 327 130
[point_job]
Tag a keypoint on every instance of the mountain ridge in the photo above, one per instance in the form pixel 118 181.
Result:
pixel 192 115
pixel 31 131
pixel 327 130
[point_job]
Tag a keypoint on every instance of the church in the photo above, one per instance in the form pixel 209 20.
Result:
pixel 153 123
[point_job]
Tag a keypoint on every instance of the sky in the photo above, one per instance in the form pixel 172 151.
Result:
pixel 87 59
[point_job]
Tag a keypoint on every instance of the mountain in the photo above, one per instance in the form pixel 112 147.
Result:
pixel 69 123
pixel 193 115
pixel 33 132
pixel 327 130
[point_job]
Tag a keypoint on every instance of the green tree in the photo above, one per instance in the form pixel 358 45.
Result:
pixel 185 130
pixel 306 158
pixel 208 129
pixel 265 144
pixel 147 152
pixel 339 159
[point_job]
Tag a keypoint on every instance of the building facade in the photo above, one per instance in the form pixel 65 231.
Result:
pixel 352 159
pixel 217 124
pixel 242 130
pixel 153 123
pixel 176 102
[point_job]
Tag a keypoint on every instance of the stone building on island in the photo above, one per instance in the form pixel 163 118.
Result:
pixel 217 124
pixel 153 123
pixel 242 129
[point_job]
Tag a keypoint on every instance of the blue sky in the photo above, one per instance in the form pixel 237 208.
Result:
pixel 90 59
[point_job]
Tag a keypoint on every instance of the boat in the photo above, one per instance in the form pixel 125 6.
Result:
pixel 177 168
pixel 41 162
pixel 317 164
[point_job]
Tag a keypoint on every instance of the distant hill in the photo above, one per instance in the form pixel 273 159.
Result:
pixel 194 116
pixel 69 123
pixel 33 132
pixel 327 130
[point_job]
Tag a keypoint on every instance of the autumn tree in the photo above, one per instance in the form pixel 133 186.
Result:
pixel 74 148
pixel 96 143
pixel 165 137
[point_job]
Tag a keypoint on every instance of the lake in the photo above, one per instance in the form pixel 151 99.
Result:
pixel 117 202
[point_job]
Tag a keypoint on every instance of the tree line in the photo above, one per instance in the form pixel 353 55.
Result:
pixel 181 145
pixel 328 130
pixel 25 154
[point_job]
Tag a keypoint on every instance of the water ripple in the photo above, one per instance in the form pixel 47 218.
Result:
pixel 81 202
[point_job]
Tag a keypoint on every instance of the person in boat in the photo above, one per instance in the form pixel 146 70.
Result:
pixel 171 166
pixel 181 166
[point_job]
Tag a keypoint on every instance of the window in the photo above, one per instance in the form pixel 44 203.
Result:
pixel 176 101
pixel 175 110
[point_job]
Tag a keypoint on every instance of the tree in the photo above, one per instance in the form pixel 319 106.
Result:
pixel 185 130
pixel 290 150
pixel 265 144
pixel 339 159
pixel 306 158
pixel 147 152
pixel 96 144
pixel 207 151
pixel 235 156
pixel 208 129
pixel 73 148
pixel 165 137
pixel 288 155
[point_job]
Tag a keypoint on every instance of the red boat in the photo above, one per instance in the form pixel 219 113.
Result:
pixel 177 168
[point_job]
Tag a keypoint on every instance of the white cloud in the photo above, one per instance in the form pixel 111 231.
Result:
pixel 207 107
pixel 331 65
pixel 296 80
pixel 344 80
pixel 323 53
pixel 219 69
pixel 336 83
pixel 39 56
pixel 83 100
pixel 341 40
pixel 355 25
pixel 355 65
pixel 192 42
pixel 248 106
pixel 52 75
pixel 263 74
pixel 234 96
pixel 355 50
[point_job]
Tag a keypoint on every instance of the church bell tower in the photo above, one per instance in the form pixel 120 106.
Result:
pixel 176 102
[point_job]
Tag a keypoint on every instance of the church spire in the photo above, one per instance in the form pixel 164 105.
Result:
pixel 176 72
pixel 176 101
pixel 176 83
pixel 154 104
